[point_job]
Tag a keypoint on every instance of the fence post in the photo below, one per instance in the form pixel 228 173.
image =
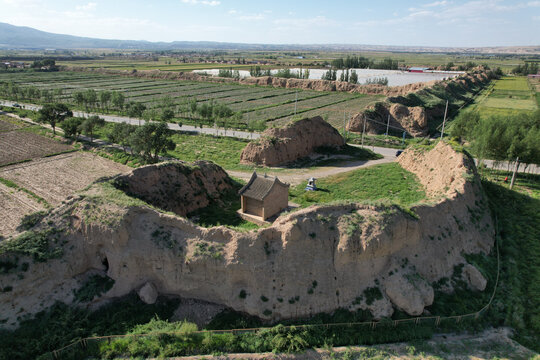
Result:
pixel 437 321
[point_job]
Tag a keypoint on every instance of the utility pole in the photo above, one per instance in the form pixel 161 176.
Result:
pixel 363 131
pixel 444 120
pixel 514 173
pixel 295 101
pixel 387 125
pixel 344 124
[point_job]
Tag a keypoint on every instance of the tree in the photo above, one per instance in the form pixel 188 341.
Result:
pixel 104 98
pixel 120 134
pixel 90 98
pixel 354 77
pixel 89 125
pixel 151 139
pixel 464 124
pixel 78 97
pixel 166 115
pixel 72 127
pixel 53 114
pixel 117 100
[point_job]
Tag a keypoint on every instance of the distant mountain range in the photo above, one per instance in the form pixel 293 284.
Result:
pixel 22 37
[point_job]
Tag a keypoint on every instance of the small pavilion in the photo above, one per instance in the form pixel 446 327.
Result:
pixel 263 197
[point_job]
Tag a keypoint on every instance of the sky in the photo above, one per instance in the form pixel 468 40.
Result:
pixel 444 23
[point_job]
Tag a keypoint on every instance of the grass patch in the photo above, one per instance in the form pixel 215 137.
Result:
pixel 224 151
pixel 121 157
pixel 385 181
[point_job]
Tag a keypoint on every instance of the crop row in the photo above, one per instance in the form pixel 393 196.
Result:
pixel 273 100
pixel 335 114
pixel 289 109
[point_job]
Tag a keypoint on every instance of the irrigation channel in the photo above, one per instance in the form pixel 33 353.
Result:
pixel 366 325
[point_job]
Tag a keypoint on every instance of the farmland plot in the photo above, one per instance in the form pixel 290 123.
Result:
pixel 19 145
pixel 280 111
pixel 509 95
pixel 276 99
pixel 59 176
pixel 14 205
pixel 335 114
pixel 257 103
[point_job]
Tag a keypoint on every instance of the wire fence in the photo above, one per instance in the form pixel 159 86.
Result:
pixel 434 320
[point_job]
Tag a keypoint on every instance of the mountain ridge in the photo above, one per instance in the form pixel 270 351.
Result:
pixel 27 38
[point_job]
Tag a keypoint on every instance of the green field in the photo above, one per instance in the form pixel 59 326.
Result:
pixel 272 59
pixel 254 104
pixel 507 96
pixel 388 182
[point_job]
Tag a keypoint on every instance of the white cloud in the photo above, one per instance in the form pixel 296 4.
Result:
pixel 533 4
pixel 436 3
pixel 251 17
pixel 202 2
pixel 88 7
pixel 232 12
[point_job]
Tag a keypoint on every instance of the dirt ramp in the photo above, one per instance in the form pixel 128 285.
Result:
pixel 279 146
pixel 177 186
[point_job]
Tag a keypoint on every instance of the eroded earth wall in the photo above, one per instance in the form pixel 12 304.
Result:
pixel 314 260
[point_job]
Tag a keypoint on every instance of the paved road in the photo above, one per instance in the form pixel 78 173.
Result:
pixel 297 176
pixel 387 152
pixel 133 121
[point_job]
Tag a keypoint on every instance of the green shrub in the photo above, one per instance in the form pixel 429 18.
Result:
pixel 372 294
pixel 94 286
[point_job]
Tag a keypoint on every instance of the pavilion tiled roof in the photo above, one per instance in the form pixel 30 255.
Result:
pixel 259 187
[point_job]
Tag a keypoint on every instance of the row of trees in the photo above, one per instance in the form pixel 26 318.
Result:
pixel 360 62
pixel 501 138
pixel 12 91
pixel 148 141
pixel 104 100
pixel 527 69
pixel 45 65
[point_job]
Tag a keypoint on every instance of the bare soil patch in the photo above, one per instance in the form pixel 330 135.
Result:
pixel 57 177
pixel 21 145
pixel 7 126
pixel 14 205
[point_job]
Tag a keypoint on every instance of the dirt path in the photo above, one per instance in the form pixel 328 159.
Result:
pixel 296 176
pixel 490 344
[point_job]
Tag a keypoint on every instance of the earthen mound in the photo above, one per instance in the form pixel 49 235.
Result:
pixel 279 146
pixel 177 186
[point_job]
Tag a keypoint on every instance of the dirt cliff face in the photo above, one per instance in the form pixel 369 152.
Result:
pixel 314 260
pixel 278 146
pixel 410 119
pixel 177 186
